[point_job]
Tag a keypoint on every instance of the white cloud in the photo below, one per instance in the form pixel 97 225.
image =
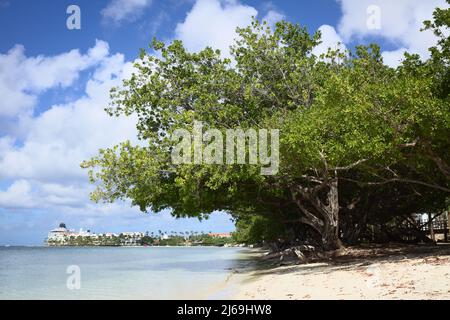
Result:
pixel 272 17
pixel 26 194
pixel 330 39
pixel 213 23
pixel 400 24
pixel 61 137
pixel 23 78
pixel 120 10
pixel 6 143
pixel 395 57
pixel 69 198
pixel 18 195
pixel 45 165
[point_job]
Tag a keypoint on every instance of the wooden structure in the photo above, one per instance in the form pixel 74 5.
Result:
pixel 435 225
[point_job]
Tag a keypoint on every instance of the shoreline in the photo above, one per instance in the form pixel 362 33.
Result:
pixel 360 274
pixel 230 286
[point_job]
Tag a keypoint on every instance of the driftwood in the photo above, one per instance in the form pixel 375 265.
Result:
pixel 294 255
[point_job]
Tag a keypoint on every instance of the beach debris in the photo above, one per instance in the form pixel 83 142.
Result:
pixel 307 248
pixel 293 255
pixel 300 255
pixel 289 256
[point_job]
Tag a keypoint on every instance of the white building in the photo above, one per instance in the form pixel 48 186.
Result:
pixel 132 238
pixel 64 236
pixel 59 234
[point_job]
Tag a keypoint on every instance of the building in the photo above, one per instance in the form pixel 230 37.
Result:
pixel 220 235
pixel 435 225
pixel 131 238
pixel 63 236
pixel 59 234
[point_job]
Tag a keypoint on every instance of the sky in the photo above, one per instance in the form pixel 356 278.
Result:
pixel 55 81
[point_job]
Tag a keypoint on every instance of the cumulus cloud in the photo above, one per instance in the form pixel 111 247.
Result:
pixel 17 195
pixel 272 17
pixel 400 22
pixel 330 40
pixel 26 194
pixel 45 165
pixel 213 23
pixel 121 10
pixel 395 57
pixel 61 137
pixel 23 78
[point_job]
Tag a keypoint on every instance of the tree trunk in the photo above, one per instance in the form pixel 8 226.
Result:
pixel 331 240
pixel 323 217
pixel 330 235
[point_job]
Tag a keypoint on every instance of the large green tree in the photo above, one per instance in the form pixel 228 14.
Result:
pixel 346 122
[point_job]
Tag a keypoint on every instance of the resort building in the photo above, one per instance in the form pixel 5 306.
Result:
pixel 131 238
pixel 63 236
pixel 220 235
pixel 59 234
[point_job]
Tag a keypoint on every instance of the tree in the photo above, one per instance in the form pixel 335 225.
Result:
pixel 257 229
pixel 346 122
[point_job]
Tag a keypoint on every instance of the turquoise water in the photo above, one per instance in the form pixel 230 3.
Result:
pixel 116 273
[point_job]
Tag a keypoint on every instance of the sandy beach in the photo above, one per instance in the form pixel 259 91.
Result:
pixel 396 272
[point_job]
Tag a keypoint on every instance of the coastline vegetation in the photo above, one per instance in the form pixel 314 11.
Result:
pixel 149 239
pixel 363 146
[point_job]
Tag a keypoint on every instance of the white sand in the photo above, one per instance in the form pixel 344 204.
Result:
pixel 411 276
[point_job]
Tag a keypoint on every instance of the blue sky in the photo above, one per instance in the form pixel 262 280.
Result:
pixel 54 84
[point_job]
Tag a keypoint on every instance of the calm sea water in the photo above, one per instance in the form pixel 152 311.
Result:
pixel 117 273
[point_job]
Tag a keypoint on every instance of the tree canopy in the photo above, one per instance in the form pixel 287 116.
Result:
pixel 356 136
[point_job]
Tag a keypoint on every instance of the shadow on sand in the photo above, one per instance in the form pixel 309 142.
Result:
pixel 350 258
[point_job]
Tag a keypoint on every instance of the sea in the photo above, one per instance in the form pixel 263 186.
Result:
pixel 119 272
